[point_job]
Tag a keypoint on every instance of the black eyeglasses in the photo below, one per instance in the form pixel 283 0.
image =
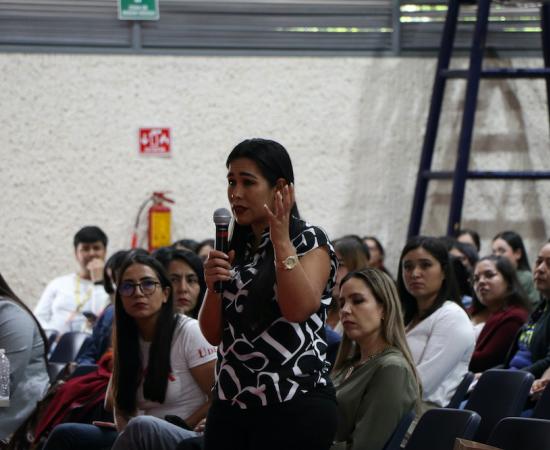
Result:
pixel 127 288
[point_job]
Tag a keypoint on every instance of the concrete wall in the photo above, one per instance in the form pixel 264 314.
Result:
pixel 353 127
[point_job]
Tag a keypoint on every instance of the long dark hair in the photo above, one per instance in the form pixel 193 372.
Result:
pixel 448 290
pixel 128 370
pixel 515 294
pixel 515 241
pixel 168 254
pixel 6 292
pixel 274 163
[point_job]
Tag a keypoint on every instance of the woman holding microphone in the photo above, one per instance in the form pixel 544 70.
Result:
pixel 272 387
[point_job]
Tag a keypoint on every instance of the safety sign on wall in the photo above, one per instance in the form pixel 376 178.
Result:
pixel 138 9
pixel 155 141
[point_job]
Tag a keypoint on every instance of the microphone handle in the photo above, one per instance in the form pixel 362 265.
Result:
pixel 221 244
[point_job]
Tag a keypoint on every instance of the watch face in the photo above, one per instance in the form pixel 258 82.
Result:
pixel 291 262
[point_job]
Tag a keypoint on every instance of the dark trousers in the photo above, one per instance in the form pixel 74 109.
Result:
pixel 307 422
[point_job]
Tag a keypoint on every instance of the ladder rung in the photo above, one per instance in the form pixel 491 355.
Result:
pixel 504 72
pixel 488 175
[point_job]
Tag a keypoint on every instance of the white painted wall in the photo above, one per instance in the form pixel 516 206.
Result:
pixel 353 127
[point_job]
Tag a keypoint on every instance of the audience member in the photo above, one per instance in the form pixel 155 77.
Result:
pixel 377 253
pixel 25 345
pixel 531 348
pixel 463 281
pixel 66 298
pixel 163 365
pixel 498 289
pixel 439 332
pixel 469 236
pixel 376 382
pixel 204 247
pixel 186 273
pixel 186 244
pixel 510 245
pixel 352 254
pixel 466 253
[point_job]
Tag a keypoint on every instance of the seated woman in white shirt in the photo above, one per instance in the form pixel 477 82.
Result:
pixel 163 365
pixel 439 332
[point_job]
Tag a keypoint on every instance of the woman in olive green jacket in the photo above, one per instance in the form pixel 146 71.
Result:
pixel 376 383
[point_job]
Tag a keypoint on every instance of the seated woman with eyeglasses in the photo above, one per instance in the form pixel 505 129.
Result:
pixel 163 365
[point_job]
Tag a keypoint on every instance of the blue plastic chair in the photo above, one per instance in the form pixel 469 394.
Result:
pixel 68 347
pixel 498 394
pixel 461 391
pixel 394 442
pixel 438 429
pixel 520 433
pixel 54 370
pixel 51 335
pixel 542 408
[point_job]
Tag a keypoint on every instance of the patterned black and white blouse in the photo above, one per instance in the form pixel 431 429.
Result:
pixel 282 360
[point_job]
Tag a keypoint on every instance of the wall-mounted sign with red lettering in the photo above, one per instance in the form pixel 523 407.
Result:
pixel 155 141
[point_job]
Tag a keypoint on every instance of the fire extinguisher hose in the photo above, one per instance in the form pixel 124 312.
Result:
pixel 134 241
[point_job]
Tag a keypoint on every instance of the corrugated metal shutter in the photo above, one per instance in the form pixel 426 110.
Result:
pixel 332 26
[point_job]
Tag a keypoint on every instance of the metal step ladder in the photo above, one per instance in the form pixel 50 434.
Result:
pixel 473 76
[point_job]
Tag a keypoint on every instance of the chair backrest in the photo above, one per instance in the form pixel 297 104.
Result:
pixel 499 393
pixel 394 442
pixel 68 347
pixel 54 370
pixel 461 390
pixel 51 335
pixel 520 433
pixel 542 408
pixel 438 428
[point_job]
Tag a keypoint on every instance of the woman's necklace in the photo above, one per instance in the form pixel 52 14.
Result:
pixel 362 362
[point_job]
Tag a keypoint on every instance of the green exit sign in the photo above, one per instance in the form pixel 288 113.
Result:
pixel 138 9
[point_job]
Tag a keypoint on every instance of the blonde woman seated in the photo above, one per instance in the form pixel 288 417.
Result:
pixel 376 382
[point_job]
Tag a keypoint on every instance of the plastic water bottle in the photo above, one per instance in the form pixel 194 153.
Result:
pixel 4 379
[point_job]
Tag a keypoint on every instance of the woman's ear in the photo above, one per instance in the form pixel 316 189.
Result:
pixel 280 184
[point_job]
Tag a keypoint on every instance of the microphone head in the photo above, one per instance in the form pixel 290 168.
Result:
pixel 222 217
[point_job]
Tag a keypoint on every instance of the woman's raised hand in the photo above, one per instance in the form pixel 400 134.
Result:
pixel 279 219
pixel 217 267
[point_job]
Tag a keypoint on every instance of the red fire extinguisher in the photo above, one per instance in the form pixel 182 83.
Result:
pixel 159 222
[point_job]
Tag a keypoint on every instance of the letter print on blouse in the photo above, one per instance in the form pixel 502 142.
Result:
pixel 281 359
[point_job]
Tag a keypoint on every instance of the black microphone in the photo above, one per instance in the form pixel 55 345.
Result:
pixel 222 219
